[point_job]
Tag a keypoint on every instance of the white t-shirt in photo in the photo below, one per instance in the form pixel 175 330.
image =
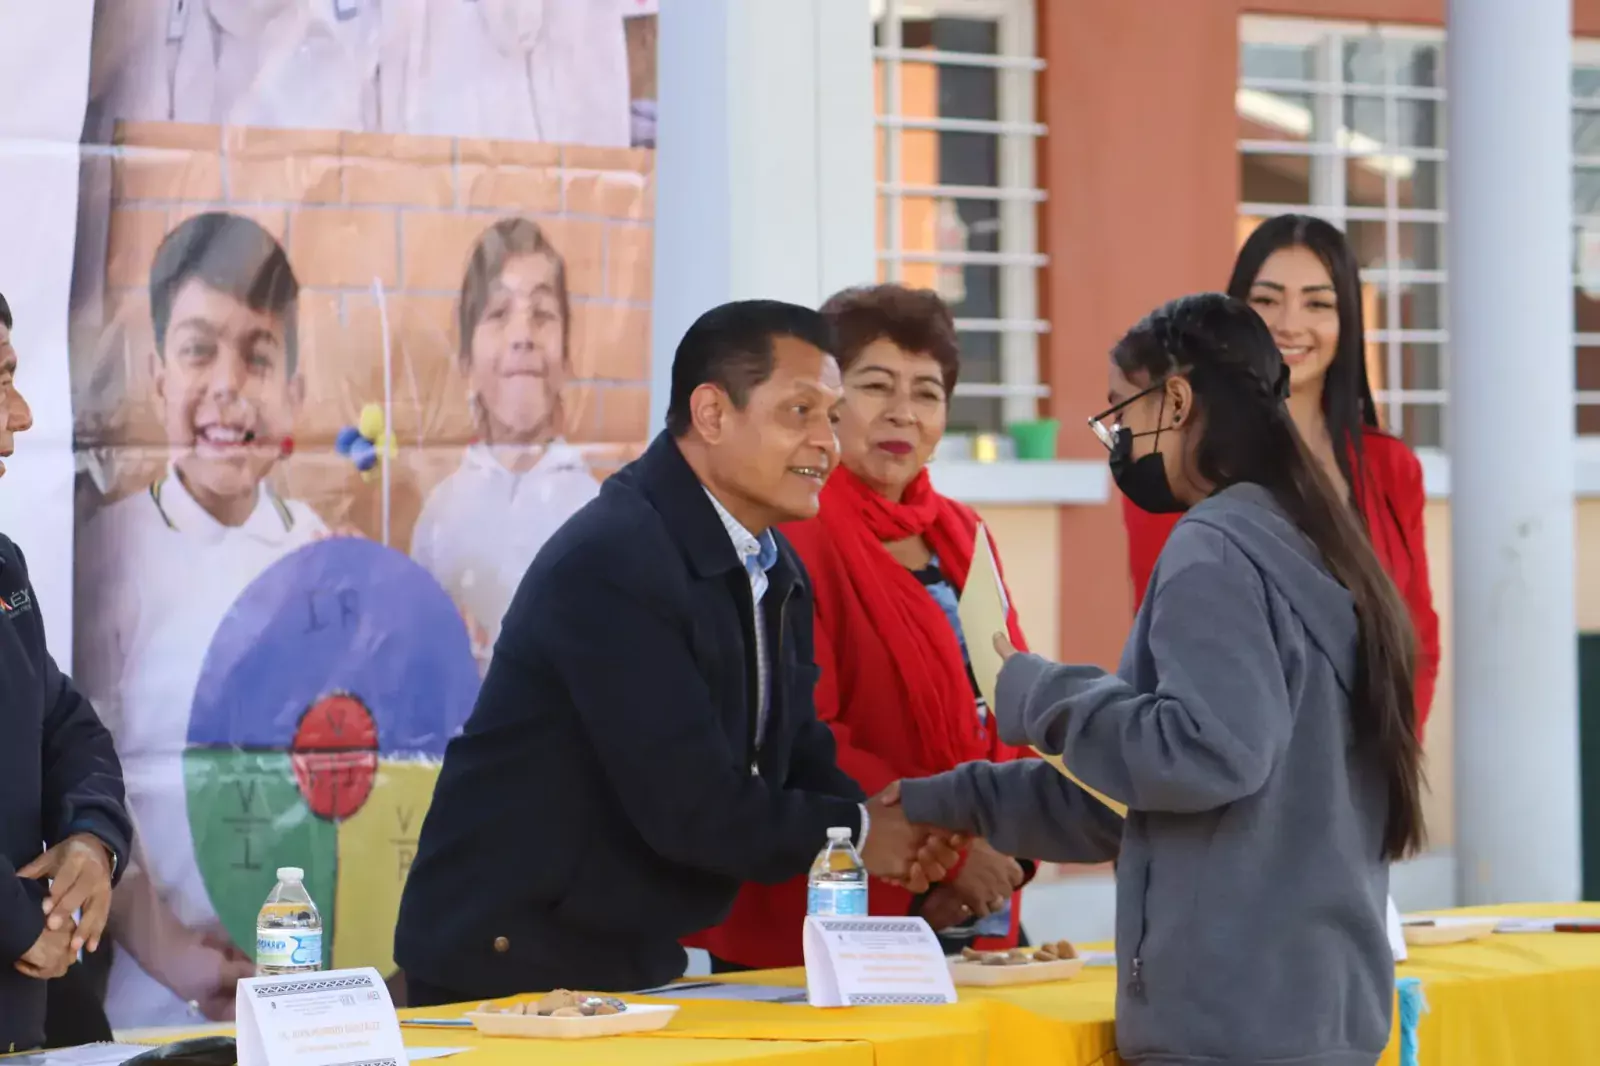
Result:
pixel 156 576
pixel 481 526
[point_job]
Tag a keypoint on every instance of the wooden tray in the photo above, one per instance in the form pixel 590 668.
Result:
pixel 1448 931
pixel 638 1018
pixel 977 975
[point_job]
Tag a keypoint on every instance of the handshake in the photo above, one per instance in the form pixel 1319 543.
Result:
pixel 919 858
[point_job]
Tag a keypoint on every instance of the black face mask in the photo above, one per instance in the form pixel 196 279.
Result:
pixel 1144 480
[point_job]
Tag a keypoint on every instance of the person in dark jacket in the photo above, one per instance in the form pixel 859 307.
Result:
pixel 60 784
pixel 645 740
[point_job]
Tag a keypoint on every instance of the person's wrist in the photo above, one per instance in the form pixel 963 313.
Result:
pixel 88 833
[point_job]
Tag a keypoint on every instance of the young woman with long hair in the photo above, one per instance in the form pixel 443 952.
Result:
pixel 1300 275
pixel 1260 729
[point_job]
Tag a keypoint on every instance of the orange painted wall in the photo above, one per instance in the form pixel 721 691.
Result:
pixel 1142 180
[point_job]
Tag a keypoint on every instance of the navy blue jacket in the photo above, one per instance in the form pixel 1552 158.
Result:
pixel 58 776
pixel 601 802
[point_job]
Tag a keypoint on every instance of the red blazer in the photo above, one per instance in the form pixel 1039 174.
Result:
pixel 1392 507
pixel 873 730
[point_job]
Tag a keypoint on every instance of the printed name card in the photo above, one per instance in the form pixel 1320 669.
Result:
pixel 336 1018
pixel 863 962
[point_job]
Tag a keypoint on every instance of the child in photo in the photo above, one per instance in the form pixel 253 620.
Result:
pixel 159 569
pixel 519 481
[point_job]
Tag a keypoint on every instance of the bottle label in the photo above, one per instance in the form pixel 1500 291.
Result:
pixel 285 948
pixel 843 900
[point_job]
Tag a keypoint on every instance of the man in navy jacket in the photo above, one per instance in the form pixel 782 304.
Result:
pixel 60 783
pixel 645 739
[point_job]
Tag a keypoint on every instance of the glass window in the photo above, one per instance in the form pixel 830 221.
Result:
pixel 958 192
pixel 1354 132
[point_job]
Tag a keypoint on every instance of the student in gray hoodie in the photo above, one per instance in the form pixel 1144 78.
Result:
pixel 1260 727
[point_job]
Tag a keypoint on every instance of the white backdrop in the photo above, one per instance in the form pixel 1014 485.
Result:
pixel 45 79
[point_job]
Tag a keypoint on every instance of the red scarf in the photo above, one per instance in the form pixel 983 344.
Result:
pixel 926 656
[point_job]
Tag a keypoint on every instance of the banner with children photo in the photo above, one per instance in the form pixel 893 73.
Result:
pixel 332 389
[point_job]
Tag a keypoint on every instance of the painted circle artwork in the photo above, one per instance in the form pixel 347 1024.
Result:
pixel 324 705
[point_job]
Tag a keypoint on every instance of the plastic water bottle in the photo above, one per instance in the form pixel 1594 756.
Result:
pixel 838 887
pixel 289 929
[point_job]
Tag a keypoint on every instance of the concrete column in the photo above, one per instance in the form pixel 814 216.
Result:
pixel 1511 450
pixel 765 167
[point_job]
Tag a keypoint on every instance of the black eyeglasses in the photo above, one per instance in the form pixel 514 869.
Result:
pixel 1107 431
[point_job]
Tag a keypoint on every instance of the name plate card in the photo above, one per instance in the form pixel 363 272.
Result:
pixel 336 1018
pixel 864 962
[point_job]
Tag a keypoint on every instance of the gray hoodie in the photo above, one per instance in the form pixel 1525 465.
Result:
pixel 1250 887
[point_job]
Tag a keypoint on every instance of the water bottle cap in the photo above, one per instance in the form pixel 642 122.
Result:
pixel 291 873
pixel 840 832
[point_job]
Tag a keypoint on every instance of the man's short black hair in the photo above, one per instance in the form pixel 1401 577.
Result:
pixel 234 255
pixel 5 312
pixel 731 347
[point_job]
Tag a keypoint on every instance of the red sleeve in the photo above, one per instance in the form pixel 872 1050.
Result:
pixel 1147 535
pixel 1410 499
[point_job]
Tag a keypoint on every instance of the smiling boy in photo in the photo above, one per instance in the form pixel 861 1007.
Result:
pixel 159 569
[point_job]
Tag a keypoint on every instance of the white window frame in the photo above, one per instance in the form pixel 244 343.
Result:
pixel 1017 193
pixel 1328 182
pixel 1585 53
pixel 1328 91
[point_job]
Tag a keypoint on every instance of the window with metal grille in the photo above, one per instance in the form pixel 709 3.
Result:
pixel 957 195
pixel 1347 122
pixel 1586 238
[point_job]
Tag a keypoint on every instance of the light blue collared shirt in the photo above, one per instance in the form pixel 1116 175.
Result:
pixel 760 554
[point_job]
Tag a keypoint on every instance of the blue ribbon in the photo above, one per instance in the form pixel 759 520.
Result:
pixel 1412 1006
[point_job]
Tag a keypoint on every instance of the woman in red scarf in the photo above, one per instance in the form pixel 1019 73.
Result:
pixel 887 557
pixel 1300 275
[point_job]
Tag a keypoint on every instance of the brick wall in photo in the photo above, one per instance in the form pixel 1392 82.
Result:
pixel 355 209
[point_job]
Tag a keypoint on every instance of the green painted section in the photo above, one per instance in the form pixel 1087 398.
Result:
pixel 248 818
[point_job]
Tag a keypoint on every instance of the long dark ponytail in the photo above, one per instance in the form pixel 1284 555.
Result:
pixel 1240 382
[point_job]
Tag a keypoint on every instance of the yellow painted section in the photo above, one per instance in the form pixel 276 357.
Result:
pixel 376 847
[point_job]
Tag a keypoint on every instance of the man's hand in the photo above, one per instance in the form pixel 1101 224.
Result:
pixel 79 872
pixel 987 879
pixel 1003 645
pixel 50 955
pixel 897 850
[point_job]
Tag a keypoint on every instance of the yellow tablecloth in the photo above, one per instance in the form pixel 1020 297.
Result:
pixel 1501 1001
pixel 1508 1000
pixel 955 1035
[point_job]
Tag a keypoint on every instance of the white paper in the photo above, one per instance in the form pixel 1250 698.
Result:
pixel 860 962
pixel 423 1054
pixel 86 1055
pixel 1526 924
pixel 318 1019
pixel 982 611
pixel 1397 936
